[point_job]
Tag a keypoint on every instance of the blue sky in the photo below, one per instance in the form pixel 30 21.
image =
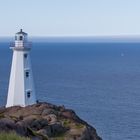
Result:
pixel 70 17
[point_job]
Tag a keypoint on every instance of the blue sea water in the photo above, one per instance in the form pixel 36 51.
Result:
pixel 100 81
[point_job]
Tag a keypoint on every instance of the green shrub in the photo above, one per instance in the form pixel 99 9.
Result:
pixel 79 126
pixel 11 136
pixel 66 123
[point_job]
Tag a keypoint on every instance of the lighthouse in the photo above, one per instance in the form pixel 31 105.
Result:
pixel 21 90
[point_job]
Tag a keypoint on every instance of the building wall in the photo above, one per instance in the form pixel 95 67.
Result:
pixel 16 84
pixel 20 85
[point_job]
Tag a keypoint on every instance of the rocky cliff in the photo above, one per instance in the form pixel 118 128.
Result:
pixel 44 121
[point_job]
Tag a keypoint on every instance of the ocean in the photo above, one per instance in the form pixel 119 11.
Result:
pixel 100 81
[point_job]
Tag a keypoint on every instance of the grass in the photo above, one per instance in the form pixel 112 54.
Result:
pixel 14 118
pixel 79 126
pixel 44 137
pixel 1 116
pixel 11 136
pixel 66 123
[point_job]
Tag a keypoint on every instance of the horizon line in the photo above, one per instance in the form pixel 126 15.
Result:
pixel 86 36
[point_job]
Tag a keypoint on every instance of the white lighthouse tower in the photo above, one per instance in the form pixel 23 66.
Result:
pixel 21 90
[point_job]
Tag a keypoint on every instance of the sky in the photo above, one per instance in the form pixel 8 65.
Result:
pixel 70 17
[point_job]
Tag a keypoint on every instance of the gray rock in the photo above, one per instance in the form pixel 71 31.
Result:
pixel 41 120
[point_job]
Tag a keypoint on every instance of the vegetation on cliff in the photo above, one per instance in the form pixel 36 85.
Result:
pixel 44 121
pixel 11 136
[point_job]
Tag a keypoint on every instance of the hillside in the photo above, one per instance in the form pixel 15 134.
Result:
pixel 44 121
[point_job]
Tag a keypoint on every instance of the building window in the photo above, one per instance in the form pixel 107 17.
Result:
pixel 20 38
pixel 25 55
pixel 28 94
pixel 27 74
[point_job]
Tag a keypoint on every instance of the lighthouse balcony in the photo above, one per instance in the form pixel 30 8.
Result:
pixel 20 45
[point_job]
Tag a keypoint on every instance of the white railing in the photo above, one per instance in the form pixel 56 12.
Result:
pixel 20 44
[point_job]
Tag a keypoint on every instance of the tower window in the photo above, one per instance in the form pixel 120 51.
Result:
pixel 27 74
pixel 25 55
pixel 20 38
pixel 28 94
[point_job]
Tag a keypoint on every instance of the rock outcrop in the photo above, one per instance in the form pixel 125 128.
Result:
pixel 44 121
